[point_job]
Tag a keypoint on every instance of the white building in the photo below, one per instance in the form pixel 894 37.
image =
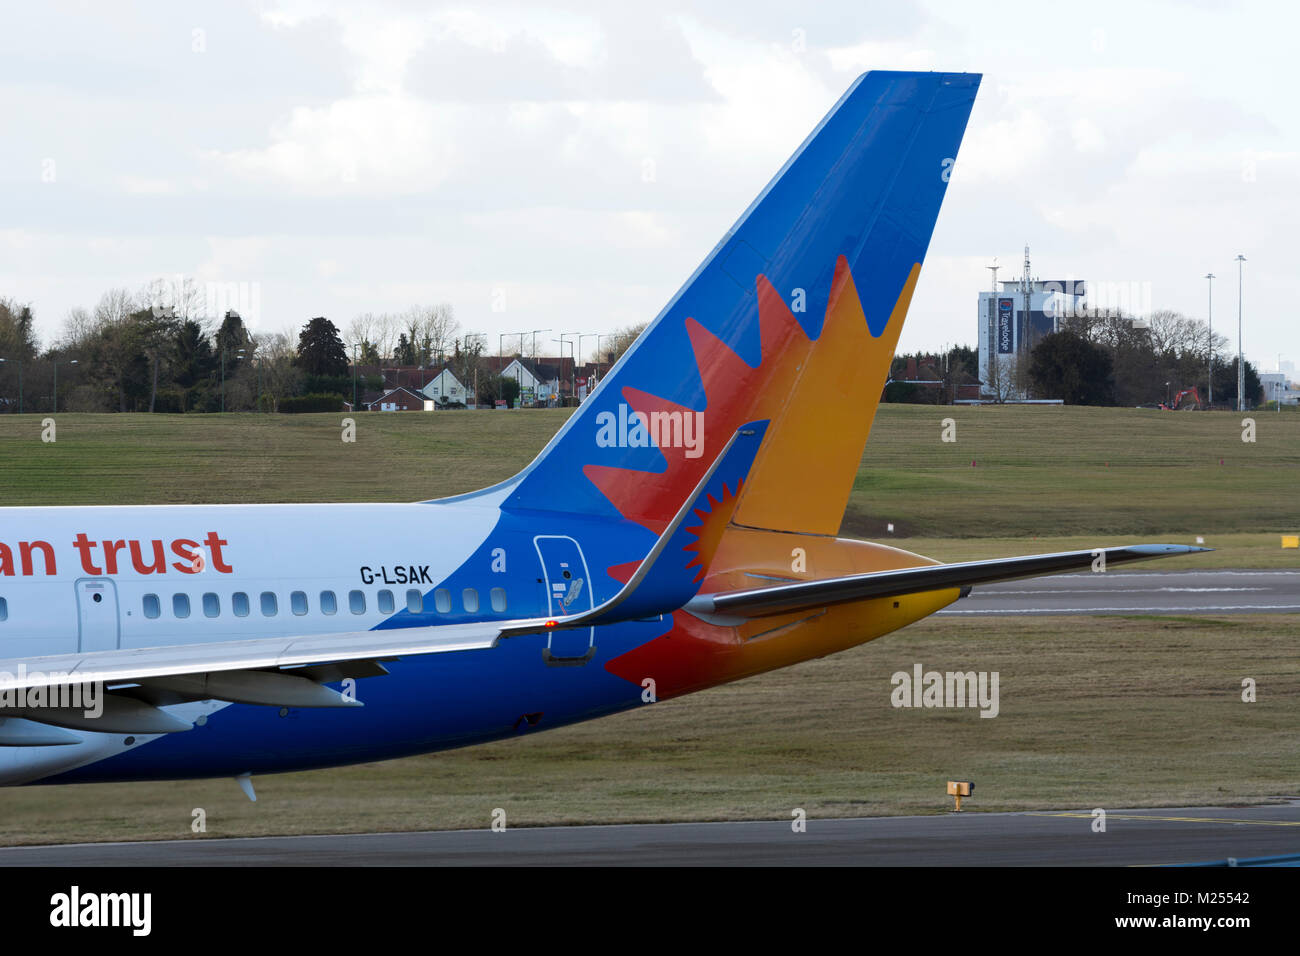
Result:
pixel 1278 387
pixel 537 382
pixel 446 388
pixel 1014 320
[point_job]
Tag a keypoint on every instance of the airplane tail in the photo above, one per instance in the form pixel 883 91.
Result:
pixel 792 318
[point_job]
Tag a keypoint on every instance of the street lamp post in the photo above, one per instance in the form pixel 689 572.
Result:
pixel 56 382
pixel 1241 359
pixel 521 348
pixel 483 338
pixel 239 353
pixel 572 354
pixel 534 333
pixel 1209 312
pixel 589 335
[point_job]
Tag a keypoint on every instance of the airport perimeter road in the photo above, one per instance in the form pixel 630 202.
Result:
pixel 1185 835
pixel 1138 592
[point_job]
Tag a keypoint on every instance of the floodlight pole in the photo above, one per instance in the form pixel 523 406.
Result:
pixel 1241 359
pixel 56 383
pixel 1209 312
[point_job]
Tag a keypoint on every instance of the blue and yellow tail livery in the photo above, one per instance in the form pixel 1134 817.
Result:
pixel 793 317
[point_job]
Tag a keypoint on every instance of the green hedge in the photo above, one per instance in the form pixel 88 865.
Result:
pixel 318 402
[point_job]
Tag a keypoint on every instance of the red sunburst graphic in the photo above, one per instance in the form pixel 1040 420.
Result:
pixel 735 392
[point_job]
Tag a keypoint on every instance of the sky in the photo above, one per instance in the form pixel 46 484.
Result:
pixel 566 166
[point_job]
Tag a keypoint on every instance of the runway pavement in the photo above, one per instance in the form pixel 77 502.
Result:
pixel 1184 835
pixel 1138 592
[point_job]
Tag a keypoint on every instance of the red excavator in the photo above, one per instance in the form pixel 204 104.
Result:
pixel 1179 405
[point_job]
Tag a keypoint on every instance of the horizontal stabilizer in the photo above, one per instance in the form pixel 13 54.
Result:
pixel 806 595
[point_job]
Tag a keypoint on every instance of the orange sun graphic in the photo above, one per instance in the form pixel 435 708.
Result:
pixel 708 532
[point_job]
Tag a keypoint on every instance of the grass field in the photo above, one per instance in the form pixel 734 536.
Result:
pixel 1038 471
pixel 1101 711
pixel 1110 712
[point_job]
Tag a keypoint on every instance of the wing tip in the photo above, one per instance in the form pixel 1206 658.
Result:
pixel 1166 550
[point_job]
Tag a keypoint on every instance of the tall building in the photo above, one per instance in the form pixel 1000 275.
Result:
pixel 1013 320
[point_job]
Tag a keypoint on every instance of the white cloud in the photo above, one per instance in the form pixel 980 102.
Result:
pixel 876 55
pixel 380 144
pixel 372 155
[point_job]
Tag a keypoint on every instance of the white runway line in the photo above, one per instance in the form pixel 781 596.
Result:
pixel 1145 610
pixel 988 590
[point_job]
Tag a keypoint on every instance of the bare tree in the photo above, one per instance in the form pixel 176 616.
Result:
pixel 361 333
pixel 180 296
pixel 1174 334
pixel 78 327
pixel 386 329
pixel 621 341
pixel 113 307
pixel 433 330
pixel 1004 377
pixel 280 375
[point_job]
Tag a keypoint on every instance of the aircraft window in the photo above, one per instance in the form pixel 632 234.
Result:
pixel 356 602
pixel 498 599
pixel 386 602
pixel 239 604
pixel 211 605
pixel 328 602
pixel 152 606
pixel 4 610
pixel 181 605
pixel 298 602
pixel 414 601
pixel 270 607
pixel 470 599
pixel 442 600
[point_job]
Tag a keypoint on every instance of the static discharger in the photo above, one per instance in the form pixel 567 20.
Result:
pixel 958 789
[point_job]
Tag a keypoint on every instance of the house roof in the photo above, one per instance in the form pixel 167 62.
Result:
pixel 401 396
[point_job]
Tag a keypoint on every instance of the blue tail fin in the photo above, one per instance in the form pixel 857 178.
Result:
pixel 802 300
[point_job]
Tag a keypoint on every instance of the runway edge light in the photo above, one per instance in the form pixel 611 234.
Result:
pixel 959 789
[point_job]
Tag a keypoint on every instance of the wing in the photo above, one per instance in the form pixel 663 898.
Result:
pixel 278 671
pixel 735 606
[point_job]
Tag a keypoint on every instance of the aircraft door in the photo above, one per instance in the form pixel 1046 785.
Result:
pixel 568 591
pixel 98 627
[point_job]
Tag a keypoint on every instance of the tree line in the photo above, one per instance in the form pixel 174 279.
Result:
pixel 156 351
pixel 1105 358
pixel 133 353
pixel 1094 358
